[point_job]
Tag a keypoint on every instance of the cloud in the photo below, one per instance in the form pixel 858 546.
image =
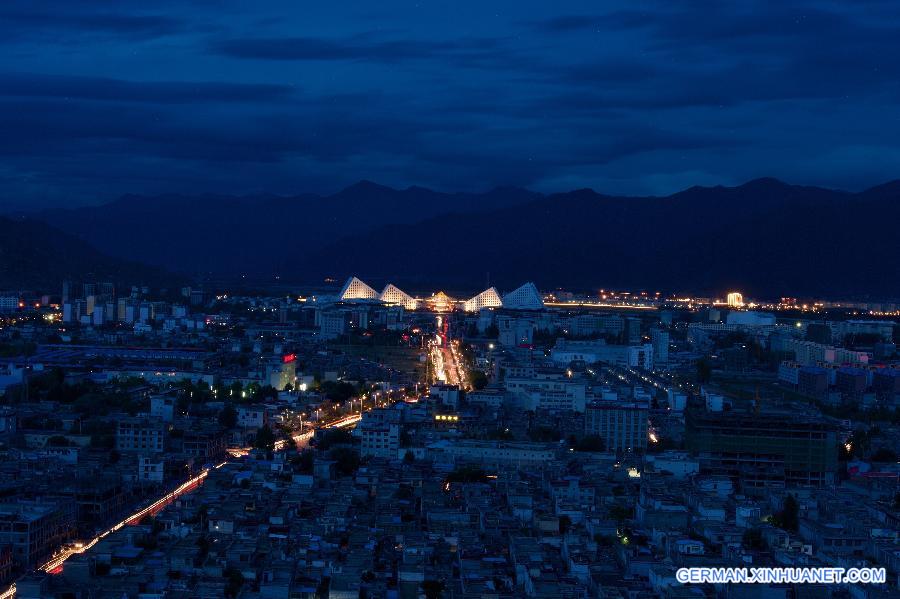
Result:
pixel 235 96
pixel 468 51
pixel 120 90
pixel 567 23
pixel 37 21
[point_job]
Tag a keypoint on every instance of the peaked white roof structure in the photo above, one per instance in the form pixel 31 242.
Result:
pixel 526 297
pixel 354 289
pixel 392 294
pixel 489 298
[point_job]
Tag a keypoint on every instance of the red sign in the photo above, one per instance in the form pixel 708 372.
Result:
pixel 288 358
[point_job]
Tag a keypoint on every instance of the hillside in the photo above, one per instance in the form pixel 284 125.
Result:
pixel 259 236
pixel 34 255
pixel 765 237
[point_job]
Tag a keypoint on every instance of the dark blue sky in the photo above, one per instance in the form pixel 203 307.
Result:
pixel 100 99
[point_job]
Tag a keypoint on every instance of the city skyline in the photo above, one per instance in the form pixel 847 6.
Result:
pixel 449 300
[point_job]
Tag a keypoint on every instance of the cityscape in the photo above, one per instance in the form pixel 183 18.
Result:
pixel 424 300
pixel 509 443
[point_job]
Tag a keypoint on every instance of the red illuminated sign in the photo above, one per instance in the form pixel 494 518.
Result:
pixel 287 358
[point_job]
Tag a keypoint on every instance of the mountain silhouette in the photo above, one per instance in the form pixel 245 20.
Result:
pixel 765 237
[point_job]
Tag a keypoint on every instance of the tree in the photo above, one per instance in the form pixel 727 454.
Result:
pixel 303 462
pixel 467 474
pixel 477 379
pixel 544 434
pixel 619 513
pixel 338 392
pixel 346 460
pixel 334 436
pixel 753 539
pixel 433 589
pixel 590 443
pixel 565 523
pixel 235 581
pixel 788 517
pixel 500 434
pixel 265 438
pixel 228 416
pixel 884 454
pixel 704 370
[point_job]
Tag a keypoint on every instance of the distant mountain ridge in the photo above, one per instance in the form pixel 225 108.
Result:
pixel 34 255
pixel 255 235
pixel 765 237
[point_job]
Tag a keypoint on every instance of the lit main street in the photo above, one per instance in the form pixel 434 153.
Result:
pixel 455 365
pixel 55 564
pixel 58 560
pixel 447 366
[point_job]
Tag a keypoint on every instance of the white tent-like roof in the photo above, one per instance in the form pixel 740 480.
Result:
pixel 526 297
pixel 354 289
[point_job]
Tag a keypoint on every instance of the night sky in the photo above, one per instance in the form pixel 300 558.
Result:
pixel 101 99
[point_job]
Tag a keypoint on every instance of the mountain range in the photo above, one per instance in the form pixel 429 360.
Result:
pixel 34 255
pixel 764 237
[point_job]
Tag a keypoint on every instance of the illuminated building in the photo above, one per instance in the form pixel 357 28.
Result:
pixel 735 299
pixel 281 371
pixel 526 297
pixel 392 294
pixel 489 298
pixel 355 289
pixel 440 302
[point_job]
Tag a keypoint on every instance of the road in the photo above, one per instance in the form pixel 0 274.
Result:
pixel 448 367
pixel 56 562
pixel 54 565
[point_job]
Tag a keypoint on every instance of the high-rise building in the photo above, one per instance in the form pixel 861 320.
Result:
pixel 631 330
pixel 35 529
pixel 622 425
pixel 812 381
pixel 852 383
pixel 759 449
pixel 886 384
pixel 9 302
pixel 659 339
